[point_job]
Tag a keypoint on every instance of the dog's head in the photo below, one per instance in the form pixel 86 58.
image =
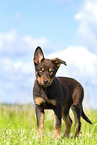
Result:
pixel 45 68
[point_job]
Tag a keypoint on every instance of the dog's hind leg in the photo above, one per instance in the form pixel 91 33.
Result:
pixel 77 97
pixel 67 120
pixel 77 114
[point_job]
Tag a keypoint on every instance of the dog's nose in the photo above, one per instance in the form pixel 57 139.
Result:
pixel 45 81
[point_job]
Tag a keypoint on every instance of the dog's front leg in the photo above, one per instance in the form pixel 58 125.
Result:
pixel 40 121
pixel 57 122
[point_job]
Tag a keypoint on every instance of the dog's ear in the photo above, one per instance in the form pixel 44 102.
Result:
pixel 38 55
pixel 58 61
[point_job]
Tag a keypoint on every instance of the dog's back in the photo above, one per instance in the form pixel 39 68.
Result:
pixel 73 87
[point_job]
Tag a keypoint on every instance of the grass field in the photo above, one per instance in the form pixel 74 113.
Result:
pixel 18 127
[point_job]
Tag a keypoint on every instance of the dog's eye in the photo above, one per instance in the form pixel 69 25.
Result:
pixel 50 71
pixel 41 70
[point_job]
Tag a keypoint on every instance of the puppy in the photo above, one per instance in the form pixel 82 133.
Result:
pixel 56 93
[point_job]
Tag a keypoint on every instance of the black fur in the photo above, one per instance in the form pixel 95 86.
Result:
pixel 56 93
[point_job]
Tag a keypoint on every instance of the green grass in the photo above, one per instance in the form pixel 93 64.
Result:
pixel 18 127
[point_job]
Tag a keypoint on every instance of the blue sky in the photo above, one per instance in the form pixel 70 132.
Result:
pixel 63 28
pixel 50 18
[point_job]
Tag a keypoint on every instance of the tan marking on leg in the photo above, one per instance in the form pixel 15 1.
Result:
pixel 40 128
pixel 57 132
pixel 40 79
pixel 39 100
pixel 40 133
pixel 68 125
pixel 51 101
pixel 76 132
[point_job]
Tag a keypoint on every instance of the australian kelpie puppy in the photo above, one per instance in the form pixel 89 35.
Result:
pixel 56 93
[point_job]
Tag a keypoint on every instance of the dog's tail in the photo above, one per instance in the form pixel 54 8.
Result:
pixel 85 117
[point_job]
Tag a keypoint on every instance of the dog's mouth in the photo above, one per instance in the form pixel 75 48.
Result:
pixel 44 82
pixel 47 84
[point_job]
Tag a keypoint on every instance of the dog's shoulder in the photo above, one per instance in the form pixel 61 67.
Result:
pixel 37 89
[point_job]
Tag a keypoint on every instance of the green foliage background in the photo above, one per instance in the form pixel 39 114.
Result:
pixel 18 127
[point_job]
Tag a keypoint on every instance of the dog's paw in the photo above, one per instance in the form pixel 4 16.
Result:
pixel 40 133
pixel 57 133
pixel 57 136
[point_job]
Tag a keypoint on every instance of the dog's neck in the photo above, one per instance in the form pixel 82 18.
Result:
pixel 47 90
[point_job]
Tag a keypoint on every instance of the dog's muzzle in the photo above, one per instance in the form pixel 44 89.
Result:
pixel 44 82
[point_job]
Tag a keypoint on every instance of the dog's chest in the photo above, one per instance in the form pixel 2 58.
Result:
pixel 46 103
pixel 43 97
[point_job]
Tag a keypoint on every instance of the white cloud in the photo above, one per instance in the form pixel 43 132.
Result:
pixel 17 70
pixel 78 57
pixel 16 80
pixel 87 30
pixel 14 45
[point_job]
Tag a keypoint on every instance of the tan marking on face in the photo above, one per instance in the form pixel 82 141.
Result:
pixel 50 69
pixel 58 65
pixel 36 73
pixel 40 79
pixel 34 61
pixel 42 68
pixel 39 100
pixel 51 101
pixel 49 80
pixel 56 61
